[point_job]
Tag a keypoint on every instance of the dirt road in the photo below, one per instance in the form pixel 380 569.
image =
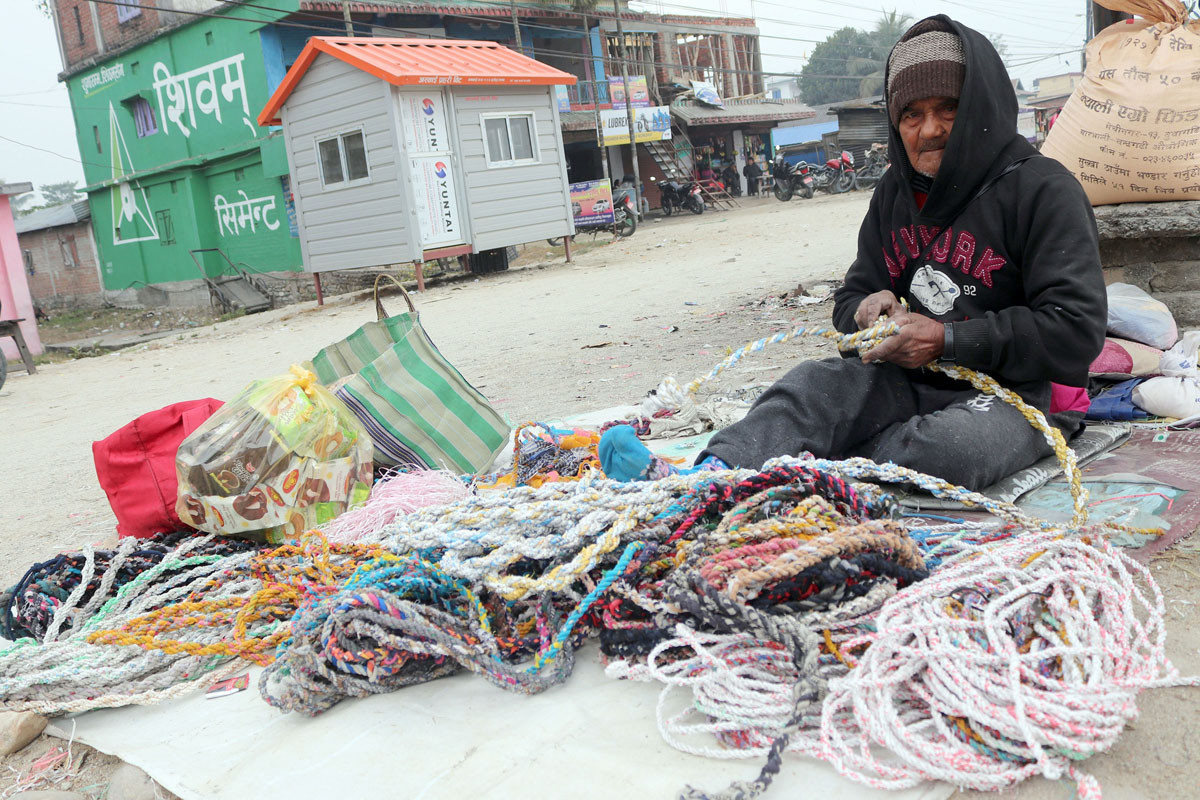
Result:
pixel 541 341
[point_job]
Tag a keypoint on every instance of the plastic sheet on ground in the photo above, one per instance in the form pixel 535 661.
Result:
pixel 592 737
pixel 1149 481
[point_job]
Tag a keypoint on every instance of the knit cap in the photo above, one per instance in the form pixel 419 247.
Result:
pixel 928 61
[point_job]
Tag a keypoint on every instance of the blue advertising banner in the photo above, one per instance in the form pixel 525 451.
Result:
pixel 562 97
pixel 591 204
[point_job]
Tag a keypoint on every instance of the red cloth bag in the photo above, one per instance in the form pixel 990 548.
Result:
pixel 136 467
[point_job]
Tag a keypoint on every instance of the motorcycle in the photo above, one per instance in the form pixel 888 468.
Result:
pixel 791 179
pixel 836 175
pixel 624 218
pixel 677 196
pixel 872 172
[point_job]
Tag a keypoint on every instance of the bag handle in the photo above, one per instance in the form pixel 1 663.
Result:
pixel 1171 11
pixel 379 302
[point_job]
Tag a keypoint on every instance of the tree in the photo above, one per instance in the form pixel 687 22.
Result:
pixel 887 31
pixel 1001 47
pixel 20 202
pixel 837 66
pixel 852 63
pixel 55 194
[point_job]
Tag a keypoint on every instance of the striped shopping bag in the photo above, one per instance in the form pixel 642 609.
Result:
pixel 420 411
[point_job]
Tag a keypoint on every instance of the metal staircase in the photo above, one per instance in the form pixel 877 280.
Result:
pixel 674 157
pixel 677 161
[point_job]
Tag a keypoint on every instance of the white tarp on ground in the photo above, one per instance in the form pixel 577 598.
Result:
pixel 457 737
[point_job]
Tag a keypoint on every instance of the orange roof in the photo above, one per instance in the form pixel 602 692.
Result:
pixel 405 62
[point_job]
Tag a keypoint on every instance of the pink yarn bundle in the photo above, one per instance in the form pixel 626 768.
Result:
pixel 393 497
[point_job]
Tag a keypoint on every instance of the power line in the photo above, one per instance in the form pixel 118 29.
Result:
pixel 838 3
pixel 39 91
pixel 696 28
pixel 53 153
pixel 745 52
pixel 546 51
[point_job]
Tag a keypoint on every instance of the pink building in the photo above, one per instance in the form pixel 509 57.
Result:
pixel 15 301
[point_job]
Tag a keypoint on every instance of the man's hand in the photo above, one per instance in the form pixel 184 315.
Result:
pixel 875 305
pixel 919 341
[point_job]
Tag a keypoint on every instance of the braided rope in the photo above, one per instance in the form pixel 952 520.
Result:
pixel 864 339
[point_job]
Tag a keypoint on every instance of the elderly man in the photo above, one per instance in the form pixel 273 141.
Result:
pixel 982 251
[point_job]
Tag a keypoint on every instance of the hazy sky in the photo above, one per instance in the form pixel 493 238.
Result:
pixel 34 110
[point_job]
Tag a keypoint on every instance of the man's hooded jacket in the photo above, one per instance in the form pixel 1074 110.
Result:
pixel 1004 248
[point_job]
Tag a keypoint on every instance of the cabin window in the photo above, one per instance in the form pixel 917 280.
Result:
pixel 509 139
pixel 343 159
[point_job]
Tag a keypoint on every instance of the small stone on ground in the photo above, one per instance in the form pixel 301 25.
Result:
pixel 130 783
pixel 17 729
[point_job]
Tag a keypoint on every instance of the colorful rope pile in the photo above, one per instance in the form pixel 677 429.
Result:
pixel 760 554
pixel 55 595
pixel 174 628
pixel 1019 657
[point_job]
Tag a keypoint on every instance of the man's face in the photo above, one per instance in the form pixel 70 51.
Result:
pixel 925 130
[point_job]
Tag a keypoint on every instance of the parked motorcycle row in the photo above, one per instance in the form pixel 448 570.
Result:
pixel 835 176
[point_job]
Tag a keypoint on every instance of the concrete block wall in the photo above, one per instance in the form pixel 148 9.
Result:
pixel 1156 247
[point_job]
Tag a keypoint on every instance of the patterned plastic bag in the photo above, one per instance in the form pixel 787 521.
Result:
pixel 284 456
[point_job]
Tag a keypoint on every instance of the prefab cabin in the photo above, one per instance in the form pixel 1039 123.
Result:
pixel 406 150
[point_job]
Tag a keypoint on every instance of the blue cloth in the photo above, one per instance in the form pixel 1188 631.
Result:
pixel 622 454
pixel 1116 403
pixel 624 458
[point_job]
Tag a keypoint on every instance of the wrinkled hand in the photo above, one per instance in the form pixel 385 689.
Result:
pixel 919 341
pixel 876 305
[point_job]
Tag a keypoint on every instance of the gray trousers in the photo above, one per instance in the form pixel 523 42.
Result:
pixel 838 408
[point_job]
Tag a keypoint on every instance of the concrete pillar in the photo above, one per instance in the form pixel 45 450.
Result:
pixel 96 28
pixel 739 146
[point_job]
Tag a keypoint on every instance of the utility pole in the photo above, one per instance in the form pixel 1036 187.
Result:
pixel 637 173
pixel 516 25
pixel 590 71
pixel 346 17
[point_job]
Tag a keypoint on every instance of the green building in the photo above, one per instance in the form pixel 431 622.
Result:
pixel 174 160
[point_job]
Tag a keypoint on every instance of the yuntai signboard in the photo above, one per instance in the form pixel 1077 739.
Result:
pixel 431 159
pixel 437 201
pixel 650 124
pixel 423 115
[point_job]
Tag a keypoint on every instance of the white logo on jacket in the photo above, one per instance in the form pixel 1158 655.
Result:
pixel 981 402
pixel 936 291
